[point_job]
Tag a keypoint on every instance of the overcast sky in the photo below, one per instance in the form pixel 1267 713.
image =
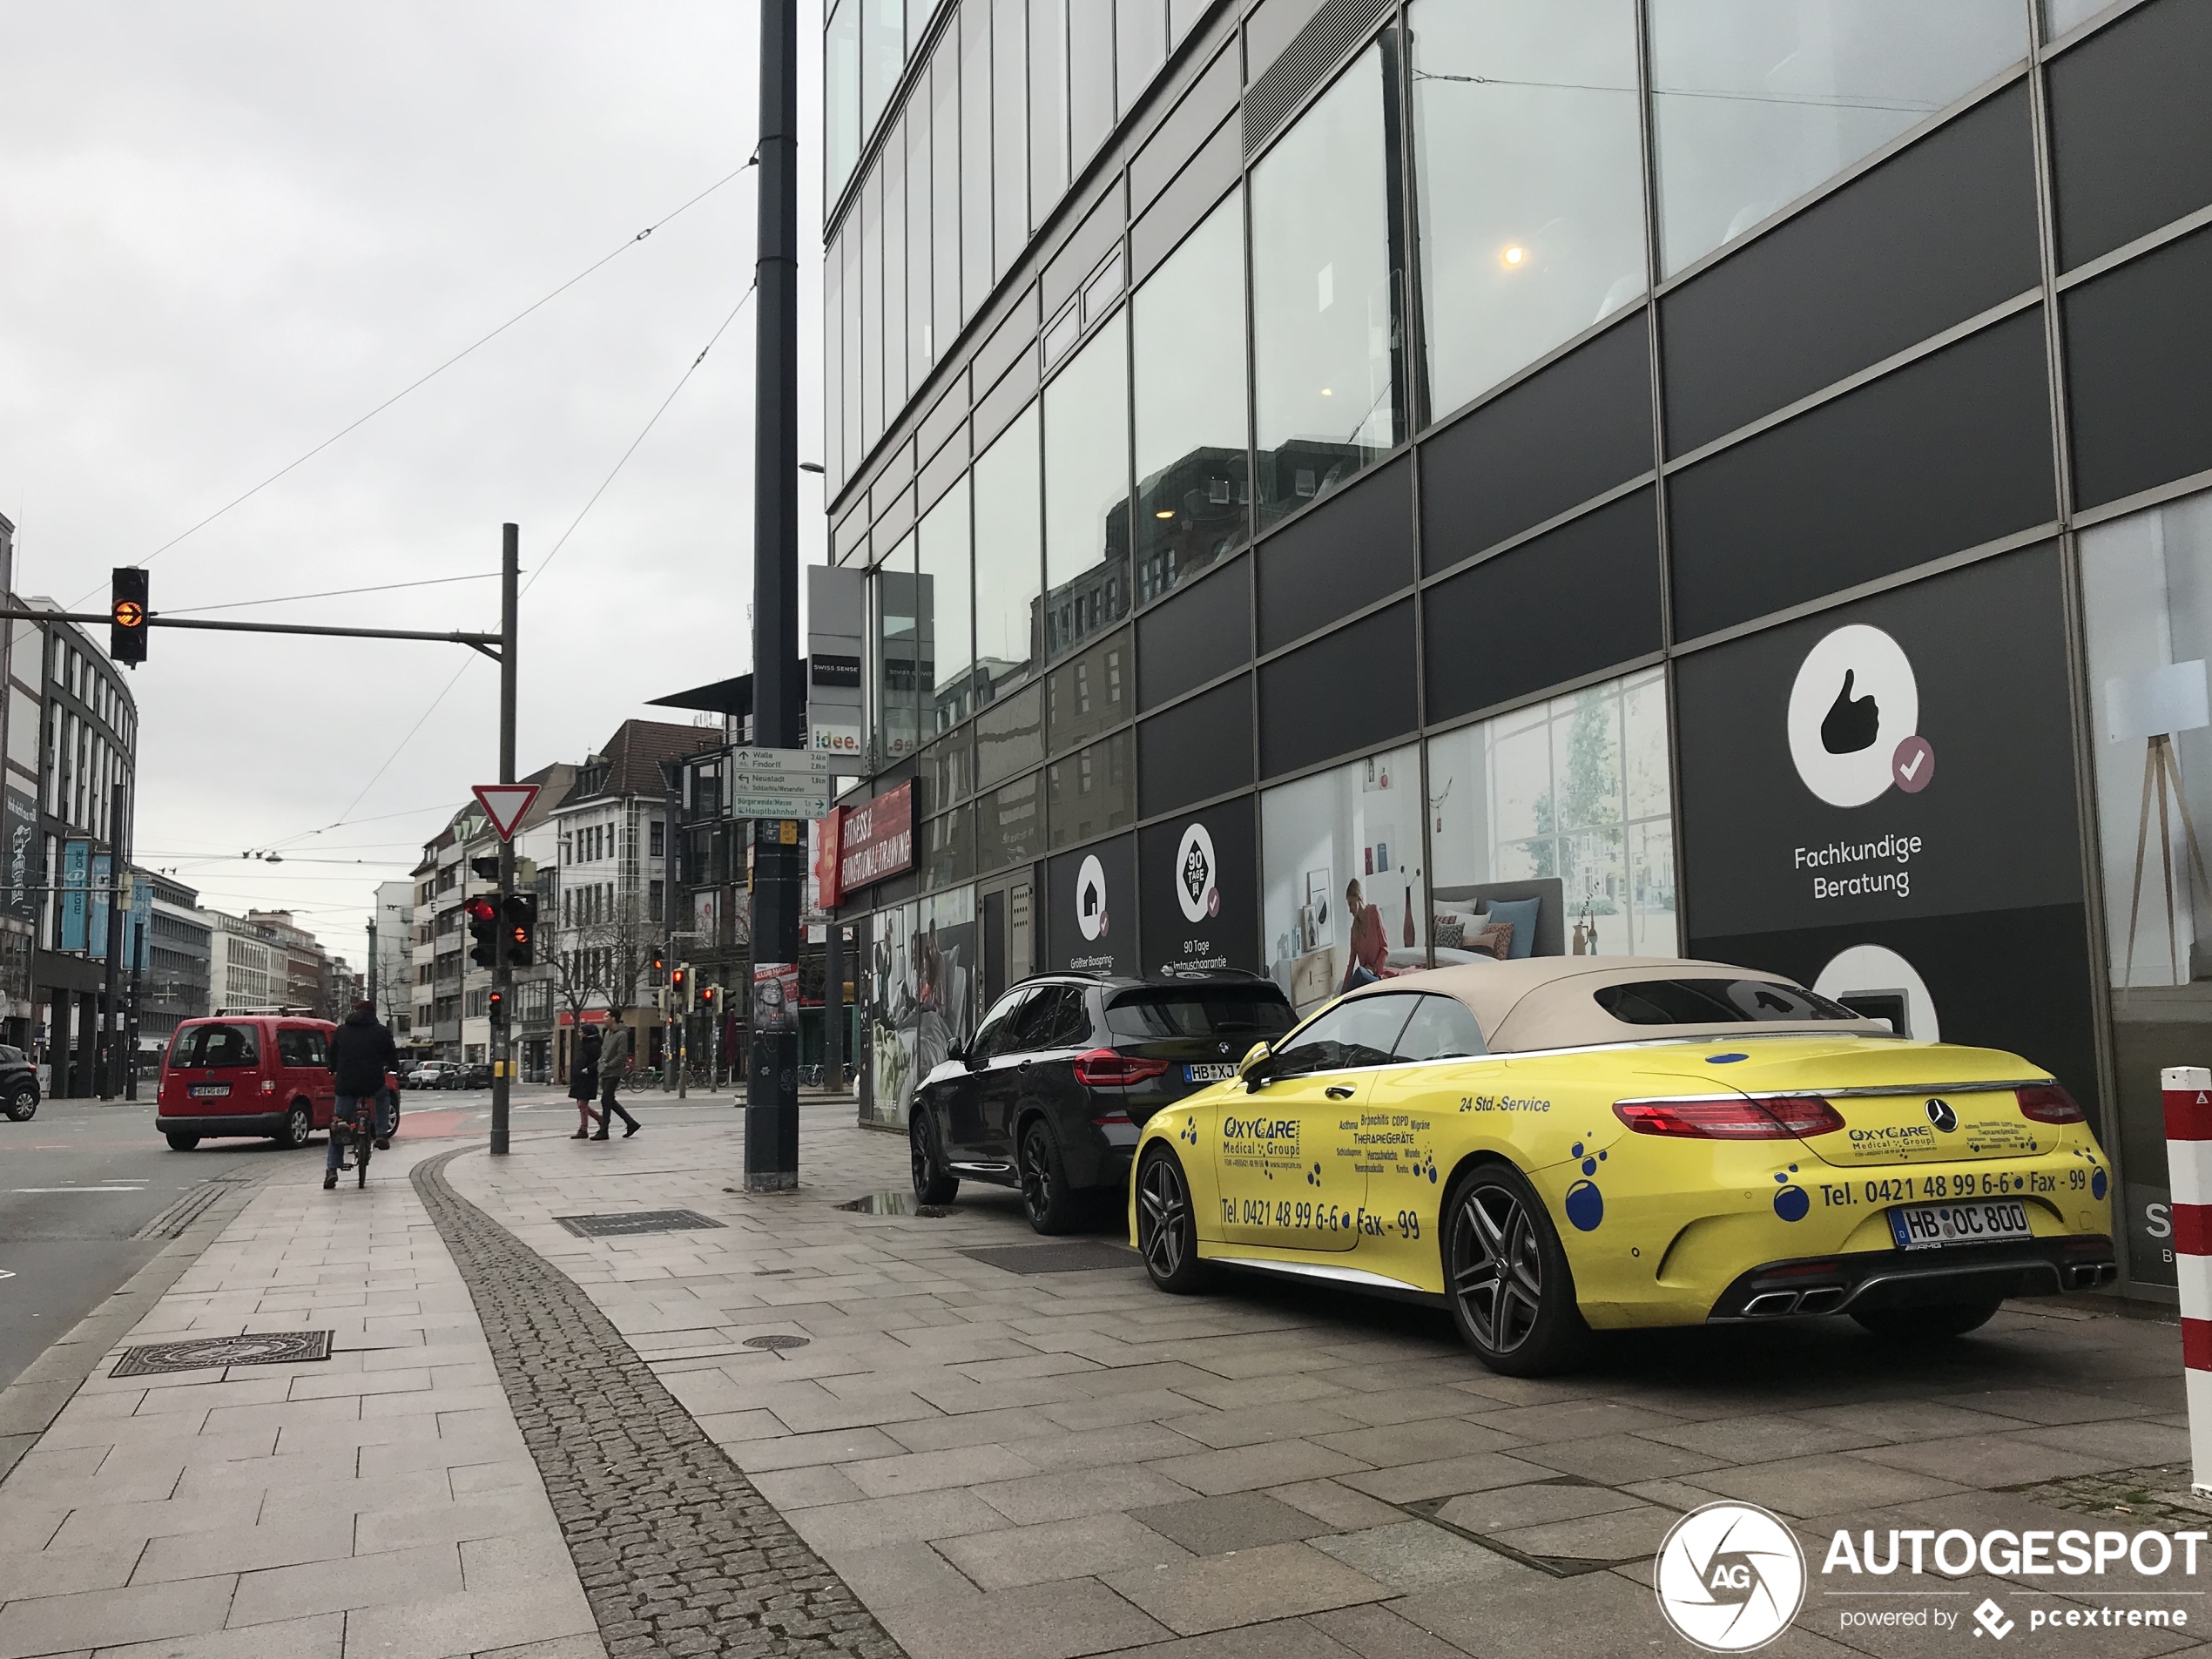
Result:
pixel 228 230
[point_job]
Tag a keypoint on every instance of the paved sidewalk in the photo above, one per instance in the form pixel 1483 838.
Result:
pixel 380 1502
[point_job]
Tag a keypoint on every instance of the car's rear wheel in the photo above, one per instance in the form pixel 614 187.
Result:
pixel 23 1102
pixel 1167 1231
pixel 1928 1324
pixel 180 1142
pixel 299 1123
pixel 932 1185
pixel 1506 1273
pixel 1050 1206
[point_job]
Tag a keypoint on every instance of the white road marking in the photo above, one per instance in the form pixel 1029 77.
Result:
pixel 137 1189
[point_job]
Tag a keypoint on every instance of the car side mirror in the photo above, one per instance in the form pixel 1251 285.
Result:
pixel 1254 1068
pixel 954 1052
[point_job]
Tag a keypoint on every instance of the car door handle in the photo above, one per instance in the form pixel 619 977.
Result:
pixel 1341 1091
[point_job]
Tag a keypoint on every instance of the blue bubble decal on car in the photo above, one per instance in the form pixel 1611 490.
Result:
pixel 1590 1166
pixel 1724 1059
pixel 2097 1184
pixel 1585 1205
pixel 1790 1203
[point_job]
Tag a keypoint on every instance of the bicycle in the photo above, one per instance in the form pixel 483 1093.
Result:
pixel 357 1135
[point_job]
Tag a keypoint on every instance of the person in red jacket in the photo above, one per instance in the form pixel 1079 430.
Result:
pixel 1369 941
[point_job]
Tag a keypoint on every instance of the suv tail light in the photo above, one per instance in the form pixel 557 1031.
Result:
pixel 1105 1069
pixel 1777 1118
pixel 2048 1103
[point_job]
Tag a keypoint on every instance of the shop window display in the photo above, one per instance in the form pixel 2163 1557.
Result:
pixel 1343 898
pixel 1552 823
pixel 922 995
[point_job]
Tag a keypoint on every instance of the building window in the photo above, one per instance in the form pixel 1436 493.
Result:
pixel 1085 490
pixel 841 95
pixel 1009 528
pixel 1326 328
pixel 894 664
pixel 1755 102
pixel 657 839
pixel 1529 164
pixel 945 631
pixel 654 900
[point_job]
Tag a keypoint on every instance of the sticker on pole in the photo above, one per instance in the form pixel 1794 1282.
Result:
pixel 504 804
pixel 775 996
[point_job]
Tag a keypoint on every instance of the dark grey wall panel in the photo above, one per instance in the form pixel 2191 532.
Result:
pixel 1352 550
pixel 1191 638
pixel 1212 173
pixel 1353 690
pixel 1211 100
pixel 2131 128
pixel 2138 357
pixel 1569 433
pixel 1948 453
pixel 1576 599
pixel 1197 749
pixel 1940 232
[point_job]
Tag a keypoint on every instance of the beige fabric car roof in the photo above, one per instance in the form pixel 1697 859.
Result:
pixel 1545 1001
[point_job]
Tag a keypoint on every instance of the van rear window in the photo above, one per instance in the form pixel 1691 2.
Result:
pixel 216 1045
pixel 1256 1011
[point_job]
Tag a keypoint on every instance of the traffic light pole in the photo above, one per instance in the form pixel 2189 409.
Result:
pixel 502 973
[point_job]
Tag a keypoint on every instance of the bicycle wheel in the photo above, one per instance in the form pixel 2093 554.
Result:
pixel 368 1145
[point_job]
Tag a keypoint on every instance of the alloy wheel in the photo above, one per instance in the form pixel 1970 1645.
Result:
pixel 1497 1267
pixel 1036 1174
pixel 1162 1216
pixel 298 1125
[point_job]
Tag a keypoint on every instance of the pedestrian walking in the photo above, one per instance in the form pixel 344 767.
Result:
pixel 614 1061
pixel 584 1084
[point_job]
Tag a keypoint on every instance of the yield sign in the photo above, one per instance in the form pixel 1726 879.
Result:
pixel 504 804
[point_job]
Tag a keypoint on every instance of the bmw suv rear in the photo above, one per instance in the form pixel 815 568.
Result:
pixel 1062 1074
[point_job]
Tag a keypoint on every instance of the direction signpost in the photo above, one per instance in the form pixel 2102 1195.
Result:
pixel 779 783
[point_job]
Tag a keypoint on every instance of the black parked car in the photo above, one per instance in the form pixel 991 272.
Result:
pixel 18 1084
pixel 1064 1072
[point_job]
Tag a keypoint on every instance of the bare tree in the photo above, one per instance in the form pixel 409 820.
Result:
pixel 601 961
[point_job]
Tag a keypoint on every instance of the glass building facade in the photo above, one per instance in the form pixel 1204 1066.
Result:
pixel 1363 483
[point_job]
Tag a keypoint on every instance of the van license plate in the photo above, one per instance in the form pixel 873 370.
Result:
pixel 209 1092
pixel 1209 1074
pixel 1926 1226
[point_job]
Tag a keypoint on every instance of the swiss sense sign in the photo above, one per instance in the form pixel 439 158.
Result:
pixel 877 840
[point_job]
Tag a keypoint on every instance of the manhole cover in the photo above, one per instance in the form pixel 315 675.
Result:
pixel 893 1203
pixel 1084 1256
pixel 636 1221
pixel 273 1348
pixel 772 1342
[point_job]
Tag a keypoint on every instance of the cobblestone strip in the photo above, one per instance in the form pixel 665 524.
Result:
pixel 678 1553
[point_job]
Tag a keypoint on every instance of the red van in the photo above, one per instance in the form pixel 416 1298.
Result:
pixel 252 1072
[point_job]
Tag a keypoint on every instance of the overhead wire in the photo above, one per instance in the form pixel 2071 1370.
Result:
pixel 332 593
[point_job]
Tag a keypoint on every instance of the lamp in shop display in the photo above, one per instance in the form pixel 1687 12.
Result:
pixel 2155 707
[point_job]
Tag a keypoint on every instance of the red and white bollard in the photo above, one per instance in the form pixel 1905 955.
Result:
pixel 2186 1091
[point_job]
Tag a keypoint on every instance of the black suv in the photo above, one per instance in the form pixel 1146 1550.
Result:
pixel 18 1084
pixel 1062 1074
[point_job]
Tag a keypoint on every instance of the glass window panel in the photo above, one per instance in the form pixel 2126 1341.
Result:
pixel 1009 135
pixel 948 638
pixel 1324 312
pixel 1086 490
pixel 1008 825
pixel 834 366
pixel 1530 171
pixel 1087 694
pixel 1091 792
pixel 1755 102
pixel 2062 15
pixel 1009 558
pixel 976 155
pixel 921 330
pixel 945 205
pixel 853 448
pixel 1573 792
pixel 1192 473
pixel 1009 737
pixel 883 54
pixel 1090 79
pixel 948 770
pixel 896 347
pixel 1183 13
pixel 871 308
pixel 1047 105
pixel 949 849
pixel 1141 48
pixel 1342 892
pixel 893 660
pixel 841 95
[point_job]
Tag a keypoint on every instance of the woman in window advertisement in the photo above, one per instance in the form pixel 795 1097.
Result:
pixel 1369 941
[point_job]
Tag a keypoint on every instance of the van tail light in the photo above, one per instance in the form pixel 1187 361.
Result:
pixel 1775 1118
pixel 1105 1069
pixel 2048 1103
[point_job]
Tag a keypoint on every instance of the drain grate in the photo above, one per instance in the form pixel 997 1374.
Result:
pixel 636 1221
pixel 271 1348
pixel 776 1340
pixel 1084 1256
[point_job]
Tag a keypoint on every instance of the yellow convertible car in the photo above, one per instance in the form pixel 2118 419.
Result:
pixel 1556 1145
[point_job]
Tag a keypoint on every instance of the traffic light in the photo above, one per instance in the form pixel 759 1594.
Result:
pixel 485 869
pixel 483 922
pixel 496 1005
pixel 522 929
pixel 660 961
pixel 680 987
pixel 126 634
pixel 706 997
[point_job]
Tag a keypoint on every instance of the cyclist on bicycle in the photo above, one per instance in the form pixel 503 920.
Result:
pixel 361 1051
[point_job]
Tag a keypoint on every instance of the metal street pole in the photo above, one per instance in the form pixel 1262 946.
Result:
pixel 106 1086
pixel 778 715
pixel 833 1005
pixel 503 975
pixel 672 876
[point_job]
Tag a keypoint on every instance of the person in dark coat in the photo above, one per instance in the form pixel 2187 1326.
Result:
pixel 614 1064
pixel 584 1084
pixel 362 1054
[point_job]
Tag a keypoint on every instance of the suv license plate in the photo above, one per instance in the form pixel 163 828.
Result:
pixel 1209 1073
pixel 1927 1226
pixel 209 1092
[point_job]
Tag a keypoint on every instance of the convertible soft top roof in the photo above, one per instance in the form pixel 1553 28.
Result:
pixel 1546 1002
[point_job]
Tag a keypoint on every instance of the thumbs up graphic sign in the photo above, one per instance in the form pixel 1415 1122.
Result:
pixel 1851 723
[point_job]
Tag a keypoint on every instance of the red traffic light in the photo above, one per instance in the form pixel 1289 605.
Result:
pixel 481 908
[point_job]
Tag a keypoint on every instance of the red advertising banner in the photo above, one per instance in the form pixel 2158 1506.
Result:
pixel 829 841
pixel 878 840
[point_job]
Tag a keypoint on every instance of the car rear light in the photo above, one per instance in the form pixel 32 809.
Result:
pixel 2048 1103
pixel 1104 1069
pixel 1114 1120
pixel 1773 1119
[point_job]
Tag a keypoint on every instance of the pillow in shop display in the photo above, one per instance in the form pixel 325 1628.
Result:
pixel 1522 913
pixel 1451 935
pixel 1495 940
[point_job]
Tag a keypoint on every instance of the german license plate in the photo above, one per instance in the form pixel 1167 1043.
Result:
pixel 209 1092
pixel 1211 1073
pixel 1927 1226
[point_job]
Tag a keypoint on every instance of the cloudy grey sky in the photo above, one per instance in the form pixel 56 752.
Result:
pixel 226 231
